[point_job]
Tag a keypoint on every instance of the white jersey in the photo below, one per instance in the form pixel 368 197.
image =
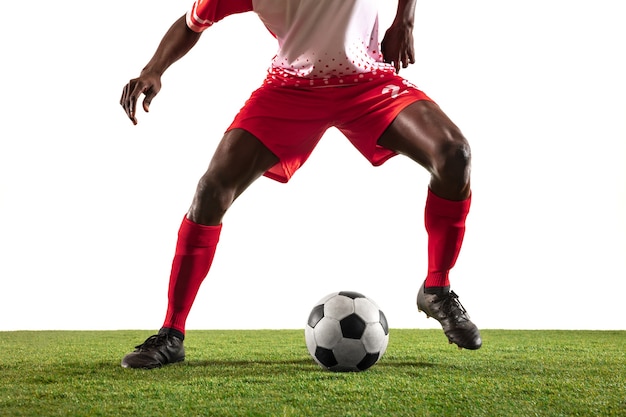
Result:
pixel 321 42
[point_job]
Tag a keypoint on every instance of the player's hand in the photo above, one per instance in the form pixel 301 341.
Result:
pixel 397 46
pixel 148 84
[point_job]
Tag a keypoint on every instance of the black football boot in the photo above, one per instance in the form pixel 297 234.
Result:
pixel 445 307
pixel 158 350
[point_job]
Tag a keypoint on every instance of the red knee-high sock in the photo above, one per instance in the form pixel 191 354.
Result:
pixel 194 254
pixel 445 224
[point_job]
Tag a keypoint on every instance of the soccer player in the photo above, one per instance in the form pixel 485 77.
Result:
pixel 330 70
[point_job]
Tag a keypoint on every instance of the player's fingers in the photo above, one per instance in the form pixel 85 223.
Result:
pixel 128 103
pixel 411 56
pixel 407 57
pixel 132 104
pixel 390 54
pixel 150 94
pixel 383 50
pixel 130 96
pixel 397 62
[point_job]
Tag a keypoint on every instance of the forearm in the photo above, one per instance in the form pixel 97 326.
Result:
pixel 175 44
pixel 405 14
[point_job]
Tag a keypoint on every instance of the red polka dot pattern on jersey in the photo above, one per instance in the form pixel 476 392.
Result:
pixel 354 64
pixel 281 78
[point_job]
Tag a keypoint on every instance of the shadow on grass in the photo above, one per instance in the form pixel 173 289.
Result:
pixel 406 364
pixel 300 365
pixel 247 364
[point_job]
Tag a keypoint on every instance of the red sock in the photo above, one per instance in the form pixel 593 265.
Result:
pixel 194 253
pixel 445 224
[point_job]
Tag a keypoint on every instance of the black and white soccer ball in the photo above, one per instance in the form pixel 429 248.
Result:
pixel 346 331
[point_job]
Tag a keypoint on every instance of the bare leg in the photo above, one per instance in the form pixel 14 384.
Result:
pixel 239 160
pixel 425 134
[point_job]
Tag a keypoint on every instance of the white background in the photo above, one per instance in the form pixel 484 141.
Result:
pixel 90 205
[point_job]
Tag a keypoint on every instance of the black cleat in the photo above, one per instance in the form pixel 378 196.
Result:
pixel 448 311
pixel 158 350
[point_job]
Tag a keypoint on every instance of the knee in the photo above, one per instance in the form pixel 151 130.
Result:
pixel 211 201
pixel 453 161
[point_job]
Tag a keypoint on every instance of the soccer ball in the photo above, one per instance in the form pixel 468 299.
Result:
pixel 346 331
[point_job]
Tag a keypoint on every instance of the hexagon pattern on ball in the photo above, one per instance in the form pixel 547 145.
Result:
pixel 346 332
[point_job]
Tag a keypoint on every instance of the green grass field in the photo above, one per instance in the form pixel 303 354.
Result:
pixel 270 373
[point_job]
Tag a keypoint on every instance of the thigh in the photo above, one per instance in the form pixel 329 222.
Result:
pixel 423 132
pixel 240 158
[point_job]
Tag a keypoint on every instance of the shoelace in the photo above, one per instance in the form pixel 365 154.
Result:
pixel 452 306
pixel 155 340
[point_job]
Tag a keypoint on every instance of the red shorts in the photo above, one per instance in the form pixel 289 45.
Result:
pixel 290 121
